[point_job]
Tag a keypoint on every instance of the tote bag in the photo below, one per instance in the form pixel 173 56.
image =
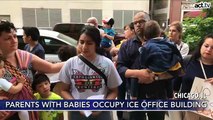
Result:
pixel 205 92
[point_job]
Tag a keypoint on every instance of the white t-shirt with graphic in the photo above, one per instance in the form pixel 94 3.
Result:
pixel 85 81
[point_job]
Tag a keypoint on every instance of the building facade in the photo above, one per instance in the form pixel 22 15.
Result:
pixel 46 13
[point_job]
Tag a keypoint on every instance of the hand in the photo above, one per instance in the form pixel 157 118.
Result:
pixel 82 113
pixel 104 35
pixel 21 79
pixel 4 115
pixel 3 98
pixel 145 76
pixel 210 80
pixel 114 51
pixel 133 98
pixel 95 113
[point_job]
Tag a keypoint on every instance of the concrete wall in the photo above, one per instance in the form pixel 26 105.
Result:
pixel 14 8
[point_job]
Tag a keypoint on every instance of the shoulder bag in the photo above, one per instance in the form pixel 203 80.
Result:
pixel 94 68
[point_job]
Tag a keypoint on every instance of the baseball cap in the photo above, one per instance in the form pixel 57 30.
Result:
pixel 109 21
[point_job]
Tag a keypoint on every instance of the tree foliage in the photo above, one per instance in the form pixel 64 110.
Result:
pixel 197 28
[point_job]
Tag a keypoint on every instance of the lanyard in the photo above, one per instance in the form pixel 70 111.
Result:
pixel 204 73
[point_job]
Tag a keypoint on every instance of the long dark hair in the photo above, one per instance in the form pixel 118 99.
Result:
pixel 196 54
pixel 94 33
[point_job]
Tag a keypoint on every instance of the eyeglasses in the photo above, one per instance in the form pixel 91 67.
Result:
pixel 140 22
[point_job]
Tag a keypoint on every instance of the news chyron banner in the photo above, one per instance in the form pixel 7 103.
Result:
pixel 102 105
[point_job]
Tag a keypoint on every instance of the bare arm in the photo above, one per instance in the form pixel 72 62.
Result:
pixel 112 94
pixel 65 91
pixel 45 66
pixel 108 36
pixel 15 88
pixel 3 98
pixel 210 80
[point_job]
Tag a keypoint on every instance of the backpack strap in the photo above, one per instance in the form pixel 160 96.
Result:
pixel 24 58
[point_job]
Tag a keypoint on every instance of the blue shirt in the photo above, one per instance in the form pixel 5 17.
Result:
pixel 128 58
pixel 38 50
pixel 105 42
pixel 110 32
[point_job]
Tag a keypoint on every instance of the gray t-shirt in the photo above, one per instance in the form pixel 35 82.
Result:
pixel 85 81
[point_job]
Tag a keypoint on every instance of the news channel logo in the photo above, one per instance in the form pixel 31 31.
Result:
pixel 202 5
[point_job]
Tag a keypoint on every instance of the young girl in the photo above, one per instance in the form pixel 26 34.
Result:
pixel 80 81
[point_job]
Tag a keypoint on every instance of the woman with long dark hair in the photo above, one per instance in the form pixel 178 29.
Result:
pixel 199 65
pixel 81 81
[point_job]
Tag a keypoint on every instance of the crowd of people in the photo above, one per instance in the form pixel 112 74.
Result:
pixel 144 65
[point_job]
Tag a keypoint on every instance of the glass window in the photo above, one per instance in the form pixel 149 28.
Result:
pixel 55 16
pixel 98 15
pixel 118 17
pixel 75 15
pixel 29 17
pixel 42 17
pixel 160 4
pixel 85 15
pixel 81 15
pixel 122 17
pixel 5 17
pixel 51 45
pixel 128 15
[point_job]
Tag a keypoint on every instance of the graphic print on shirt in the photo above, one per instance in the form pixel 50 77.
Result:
pixel 85 82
